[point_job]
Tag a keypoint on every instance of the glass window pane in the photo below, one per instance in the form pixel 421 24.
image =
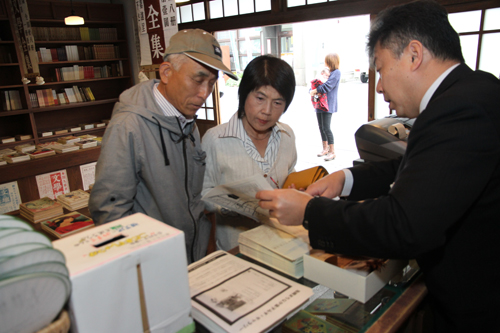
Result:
pixel 186 14
pixel 222 35
pixel 310 2
pixel 246 6
pixel 262 5
pixel 230 8
pixel 202 113
pixel 492 19
pixel 215 9
pixel 489 54
pixel 209 102
pixel 251 32
pixel 199 11
pixel 469 49
pixel 210 114
pixel 178 14
pixel 465 21
pixel 295 3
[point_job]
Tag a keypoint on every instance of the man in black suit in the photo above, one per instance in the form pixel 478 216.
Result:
pixel 440 202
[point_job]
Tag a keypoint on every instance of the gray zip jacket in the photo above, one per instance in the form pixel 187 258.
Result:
pixel 149 165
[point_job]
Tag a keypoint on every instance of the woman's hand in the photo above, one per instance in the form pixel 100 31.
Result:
pixel 313 92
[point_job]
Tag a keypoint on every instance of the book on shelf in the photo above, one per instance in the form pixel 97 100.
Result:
pixel 73 129
pixel 24 148
pixel 41 152
pixel 71 95
pixel 86 144
pixel 6 151
pixel 76 92
pixel 40 210
pixel 230 294
pixel 7 139
pixel 276 248
pixel 54 97
pixel 34 100
pixel 11 100
pixel 21 137
pixel 4 95
pixel 99 125
pixel 87 137
pixel 86 126
pixel 16 157
pixel 60 131
pixel 46 133
pixel 39 95
pixel 65 148
pixel 74 200
pixel 68 139
pixel 15 100
pixel 67 224
pixel 2 161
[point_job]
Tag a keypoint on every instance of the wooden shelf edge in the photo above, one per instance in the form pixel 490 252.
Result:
pixel 15 171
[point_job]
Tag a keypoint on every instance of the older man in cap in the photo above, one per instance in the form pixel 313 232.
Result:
pixel 151 159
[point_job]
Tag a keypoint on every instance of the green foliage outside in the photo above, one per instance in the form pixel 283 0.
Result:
pixel 233 83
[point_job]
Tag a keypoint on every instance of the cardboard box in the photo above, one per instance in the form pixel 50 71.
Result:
pixel 349 283
pixel 129 275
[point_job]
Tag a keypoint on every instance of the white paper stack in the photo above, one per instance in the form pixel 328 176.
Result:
pixel 275 248
pixel 34 282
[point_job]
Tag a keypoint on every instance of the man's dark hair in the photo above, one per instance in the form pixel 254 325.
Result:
pixel 266 70
pixel 425 21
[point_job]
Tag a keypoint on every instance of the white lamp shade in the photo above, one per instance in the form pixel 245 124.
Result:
pixel 74 20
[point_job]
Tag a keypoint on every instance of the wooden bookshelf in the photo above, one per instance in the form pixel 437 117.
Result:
pixel 30 119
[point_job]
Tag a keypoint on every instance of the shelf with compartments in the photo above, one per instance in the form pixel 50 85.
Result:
pixel 98 49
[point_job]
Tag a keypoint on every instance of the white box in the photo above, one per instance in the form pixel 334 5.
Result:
pixel 349 283
pixel 129 275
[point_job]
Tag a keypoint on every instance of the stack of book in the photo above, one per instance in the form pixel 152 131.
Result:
pixel 25 148
pixel 68 224
pixel 68 139
pixel 86 144
pixel 275 248
pixel 40 210
pixel 41 152
pixel 16 157
pixel 74 200
pixel 64 148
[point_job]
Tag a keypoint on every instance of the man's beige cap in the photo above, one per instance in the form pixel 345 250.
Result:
pixel 200 46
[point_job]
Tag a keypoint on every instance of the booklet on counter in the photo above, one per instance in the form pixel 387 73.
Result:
pixel 230 294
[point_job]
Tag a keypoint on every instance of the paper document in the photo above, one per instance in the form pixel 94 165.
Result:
pixel 229 294
pixel 239 197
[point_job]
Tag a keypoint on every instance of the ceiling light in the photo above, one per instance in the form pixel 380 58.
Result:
pixel 73 19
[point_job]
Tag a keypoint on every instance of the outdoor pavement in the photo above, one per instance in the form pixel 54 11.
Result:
pixel 352 113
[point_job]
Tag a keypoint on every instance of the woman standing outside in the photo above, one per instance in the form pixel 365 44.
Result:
pixel 330 88
pixel 254 141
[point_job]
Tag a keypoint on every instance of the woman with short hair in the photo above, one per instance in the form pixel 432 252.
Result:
pixel 252 142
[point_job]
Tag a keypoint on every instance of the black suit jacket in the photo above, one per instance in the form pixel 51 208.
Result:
pixel 443 207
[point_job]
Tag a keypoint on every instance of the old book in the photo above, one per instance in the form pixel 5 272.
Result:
pixel 7 139
pixel 16 157
pixel 41 209
pixel 25 148
pixel 302 179
pixel 68 139
pixel 67 224
pixel 86 143
pixel 65 148
pixel 74 200
pixel 41 152
pixel 20 137
pixel 275 248
pixel 10 197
